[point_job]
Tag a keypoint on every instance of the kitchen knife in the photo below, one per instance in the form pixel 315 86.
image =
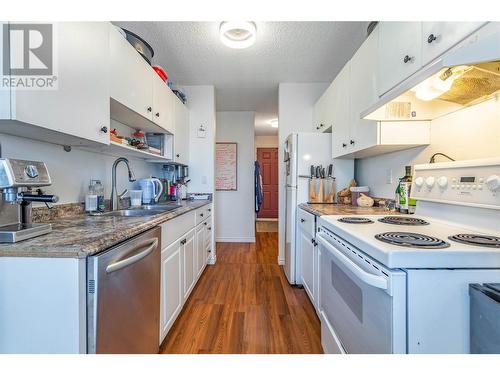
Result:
pixel 330 171
pixel 312 171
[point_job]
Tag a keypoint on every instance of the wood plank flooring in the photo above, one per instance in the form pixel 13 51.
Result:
pixel 244 304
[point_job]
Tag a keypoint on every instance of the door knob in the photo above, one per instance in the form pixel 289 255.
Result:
pixel 431 38
pixel 407 59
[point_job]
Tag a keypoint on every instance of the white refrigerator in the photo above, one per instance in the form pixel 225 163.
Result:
pixel 301 150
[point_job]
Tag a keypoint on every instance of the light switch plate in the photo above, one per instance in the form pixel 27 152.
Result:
pixel 388 176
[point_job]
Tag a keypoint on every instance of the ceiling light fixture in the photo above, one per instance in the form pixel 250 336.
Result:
pixel 238 34
pixel 274 123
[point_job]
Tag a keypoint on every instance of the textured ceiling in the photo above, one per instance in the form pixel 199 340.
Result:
pixel 247 80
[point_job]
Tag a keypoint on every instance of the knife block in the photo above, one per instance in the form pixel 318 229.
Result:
pixel 321 190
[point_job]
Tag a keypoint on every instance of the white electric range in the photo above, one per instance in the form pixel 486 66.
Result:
pixel 400 283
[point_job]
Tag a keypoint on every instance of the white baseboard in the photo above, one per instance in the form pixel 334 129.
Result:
pixel 212 260
pixel 235 239
pixel 281 261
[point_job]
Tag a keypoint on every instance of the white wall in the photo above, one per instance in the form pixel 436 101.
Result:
pixel 471 133
pixel 71 171
pixel 235 210
pixel 264 141
pixel 296 102
pixel 201 104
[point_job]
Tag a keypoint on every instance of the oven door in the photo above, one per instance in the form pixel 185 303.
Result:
pixel 362 303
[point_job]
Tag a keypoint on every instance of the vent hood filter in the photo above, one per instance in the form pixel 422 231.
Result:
pixel 465 77
pixel 478 83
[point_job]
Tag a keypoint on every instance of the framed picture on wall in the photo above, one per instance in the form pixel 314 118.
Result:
pixel 226 166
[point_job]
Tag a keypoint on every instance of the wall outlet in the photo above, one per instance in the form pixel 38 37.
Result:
pixel 388 176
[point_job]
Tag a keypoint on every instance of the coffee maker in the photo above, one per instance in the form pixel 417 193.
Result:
pixel 18 178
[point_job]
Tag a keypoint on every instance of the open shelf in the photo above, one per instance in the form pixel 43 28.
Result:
pixel 124 150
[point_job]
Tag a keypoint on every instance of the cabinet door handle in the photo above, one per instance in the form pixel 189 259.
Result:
pixel 302 220
pixel 209 228
pixel 431 38
pixel 321 125
pixel 178 155
pixel 407 59
pixel 209 210
pixel 104 129
pixel 352 142
pixel 344 145
pixel 149 109
pixel 183 242
pixel 317 127
pixel 205 223
pixel 201 214
pixel 157 114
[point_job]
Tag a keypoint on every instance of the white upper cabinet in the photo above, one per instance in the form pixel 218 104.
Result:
pixel 181 137
pixel 363 85
pixel 438 37
pixel 79 106
pixel 131 76
pixel 340 106
pixel 322 113
pixel 399 52
pixel 163 104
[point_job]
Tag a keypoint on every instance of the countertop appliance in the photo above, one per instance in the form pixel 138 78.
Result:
pixel 123 297
pixel 17 179
pixel 151 190
pixel 301 150
pixel 399 283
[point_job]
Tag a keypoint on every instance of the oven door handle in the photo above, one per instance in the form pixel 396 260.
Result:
pixel 368 278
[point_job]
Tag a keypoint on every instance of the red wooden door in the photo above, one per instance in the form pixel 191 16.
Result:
pixel 268 160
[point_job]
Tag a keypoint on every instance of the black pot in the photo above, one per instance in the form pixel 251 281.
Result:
pixel 140 45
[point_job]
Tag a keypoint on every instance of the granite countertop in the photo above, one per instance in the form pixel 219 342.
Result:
pixel 82 235
pixel 343 209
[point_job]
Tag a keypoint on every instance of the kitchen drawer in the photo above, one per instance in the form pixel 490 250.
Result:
pixel 307 222
pixel 203 213
pixel 173 229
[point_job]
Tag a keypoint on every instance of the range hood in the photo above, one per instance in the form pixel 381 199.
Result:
pixel 466 76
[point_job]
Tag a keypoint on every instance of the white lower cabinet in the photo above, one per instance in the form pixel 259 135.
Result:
pixel 309 255
pixel 171 286
pixel 184 256
pixel 188 262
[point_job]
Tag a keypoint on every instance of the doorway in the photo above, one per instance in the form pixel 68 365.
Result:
pixel 268 161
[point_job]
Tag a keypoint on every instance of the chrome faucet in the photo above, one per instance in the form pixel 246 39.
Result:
pixel 115 197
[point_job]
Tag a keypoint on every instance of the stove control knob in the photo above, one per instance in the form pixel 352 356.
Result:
pixel 442 182
pixel 419 182
pixel 429 181
pixel 31 171
pixel 493 182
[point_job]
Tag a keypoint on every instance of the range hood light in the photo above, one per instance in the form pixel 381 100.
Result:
pixel 436 85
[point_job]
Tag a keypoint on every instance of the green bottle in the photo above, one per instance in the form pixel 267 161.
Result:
pixel 407 205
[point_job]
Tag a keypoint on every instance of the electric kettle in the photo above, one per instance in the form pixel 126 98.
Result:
pixel 151 190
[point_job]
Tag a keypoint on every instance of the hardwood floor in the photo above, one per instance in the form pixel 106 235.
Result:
pixel 244 304
pixel 266 226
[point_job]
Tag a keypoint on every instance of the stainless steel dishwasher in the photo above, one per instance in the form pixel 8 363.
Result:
pixel 123 296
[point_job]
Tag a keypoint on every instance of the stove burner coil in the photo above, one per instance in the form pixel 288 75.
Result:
pixel 403 220
pixel 476 240
pixel 355 220
pixel 415 240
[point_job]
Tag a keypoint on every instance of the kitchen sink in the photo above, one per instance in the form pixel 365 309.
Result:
pixel 133 212
pixel 146 210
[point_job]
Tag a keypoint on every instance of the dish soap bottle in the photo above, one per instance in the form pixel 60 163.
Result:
pixel 99 191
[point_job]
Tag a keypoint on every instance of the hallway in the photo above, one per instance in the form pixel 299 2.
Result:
pixel 244 304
